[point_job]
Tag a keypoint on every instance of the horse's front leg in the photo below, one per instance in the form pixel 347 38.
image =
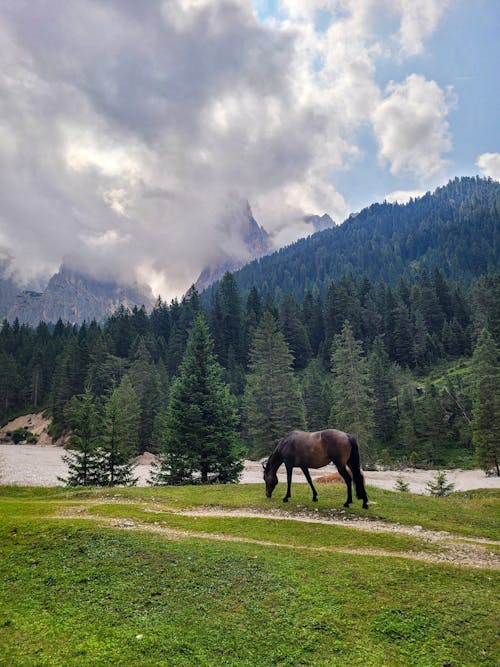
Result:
pixel 289 469
pixel 308 477
pixel 344 473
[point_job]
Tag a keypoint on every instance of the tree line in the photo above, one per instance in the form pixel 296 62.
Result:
pixel 205 384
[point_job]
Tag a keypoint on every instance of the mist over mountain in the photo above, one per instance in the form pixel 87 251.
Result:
pixel 246 242
pixel 319 222
pixel 456 228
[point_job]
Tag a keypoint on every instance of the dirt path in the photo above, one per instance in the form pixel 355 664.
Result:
pixel 454 549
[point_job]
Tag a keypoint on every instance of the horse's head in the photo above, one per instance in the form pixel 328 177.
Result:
pixel 270 478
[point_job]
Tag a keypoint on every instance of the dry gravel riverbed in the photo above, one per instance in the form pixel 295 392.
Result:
pixel 42 465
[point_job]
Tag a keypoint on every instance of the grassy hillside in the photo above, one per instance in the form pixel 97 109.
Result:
pixel 136 577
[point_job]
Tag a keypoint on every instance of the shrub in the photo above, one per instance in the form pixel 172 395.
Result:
pixel 401 485
pixel 438 486
pixel 21 435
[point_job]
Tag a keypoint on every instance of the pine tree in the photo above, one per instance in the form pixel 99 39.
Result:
pixel 201 439
pixel 400 336
pixel 272 403
pixel 316 392
pixel 147 387
pixel 295 332
pixel 83 459
pixel 161 396
pixel 383 391
pixel 119 332
pixel 439 486
pixel 312 317
pixel 10 384
pixel 105 370
pixel 431 426
pixel 120 434
pixel 253 312
pixel 443 293
pixel 486 402
pixel 227 323
pixel 352 409
pixel 426 301
pixel 406 426
pixel 69 376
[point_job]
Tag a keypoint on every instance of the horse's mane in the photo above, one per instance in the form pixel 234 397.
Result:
pixel 276 458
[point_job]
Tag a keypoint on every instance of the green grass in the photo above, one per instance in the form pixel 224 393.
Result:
pixel 469 513
pixel 301 534
pixel 78 592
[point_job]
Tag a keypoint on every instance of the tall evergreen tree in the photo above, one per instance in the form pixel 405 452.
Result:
pixel 312 317
pixel 201 439
pixel 383 392
pixel 486 402
pixel 352 409
pixel 120 434
pixel 431 428
pixel 162 389
pixel 253 312
pixel 426 301
pixel 10 384
pixel 272 403
pixel 83 458
pixel 228 331
pixel 146 383
pixel 227 322
pixel 294 331
pixel 400 336
pixel 316 392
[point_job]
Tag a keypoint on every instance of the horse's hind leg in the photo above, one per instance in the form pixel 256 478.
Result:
pixel 289 469
pixel 308 477
pixel 344 473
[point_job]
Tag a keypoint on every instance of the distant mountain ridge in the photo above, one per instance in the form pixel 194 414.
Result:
pixel 455 228
pixel 74 297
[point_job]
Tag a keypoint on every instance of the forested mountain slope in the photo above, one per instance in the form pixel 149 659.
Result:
pixel 403 357
pixel 456 228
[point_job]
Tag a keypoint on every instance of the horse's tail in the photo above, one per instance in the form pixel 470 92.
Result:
pixel 357 475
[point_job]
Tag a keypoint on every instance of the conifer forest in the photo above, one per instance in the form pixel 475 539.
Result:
pixel 387 327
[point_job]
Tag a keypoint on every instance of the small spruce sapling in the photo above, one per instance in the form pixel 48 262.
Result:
pixel 439 486
pixel 401 485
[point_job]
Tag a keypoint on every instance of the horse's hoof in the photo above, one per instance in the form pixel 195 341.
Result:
pixel 365 505
pixel 315 500
pixel 346 504
pixel 285 500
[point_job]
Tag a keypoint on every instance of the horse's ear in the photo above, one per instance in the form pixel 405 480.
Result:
pixel 264 463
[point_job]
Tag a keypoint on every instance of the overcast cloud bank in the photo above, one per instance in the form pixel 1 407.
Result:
pixel 128 130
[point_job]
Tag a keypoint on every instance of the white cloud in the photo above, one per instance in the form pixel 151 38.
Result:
pixel 411 126
pixel 419 19
pixel 127 126
pixel 403 196
pixel 489 165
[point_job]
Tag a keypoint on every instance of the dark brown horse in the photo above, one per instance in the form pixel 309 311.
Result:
pixel 304 450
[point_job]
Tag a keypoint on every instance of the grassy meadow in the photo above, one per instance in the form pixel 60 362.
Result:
pixel 131 577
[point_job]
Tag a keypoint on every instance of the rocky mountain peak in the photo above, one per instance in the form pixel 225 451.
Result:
pixel 74 297
pixel 246 241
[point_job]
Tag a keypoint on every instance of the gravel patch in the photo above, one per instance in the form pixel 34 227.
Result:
pixel 42 465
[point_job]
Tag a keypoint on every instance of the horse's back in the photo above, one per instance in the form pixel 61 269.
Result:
pixel 304 449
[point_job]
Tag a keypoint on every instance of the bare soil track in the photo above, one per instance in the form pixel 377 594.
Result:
pixel 453 549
